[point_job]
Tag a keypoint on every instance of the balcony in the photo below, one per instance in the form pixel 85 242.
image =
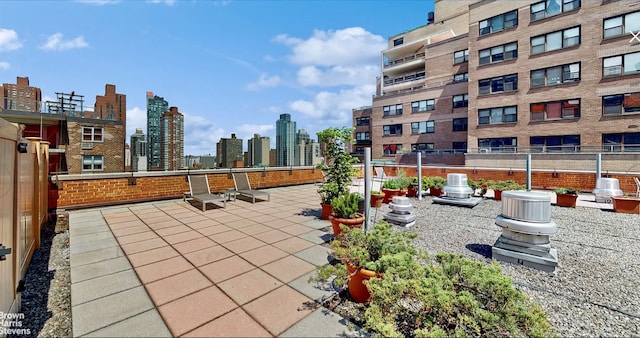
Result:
pixel 405 81
pixel 405 63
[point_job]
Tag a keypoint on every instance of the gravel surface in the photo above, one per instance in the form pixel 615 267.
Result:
pixel 594 291
pixel 46 301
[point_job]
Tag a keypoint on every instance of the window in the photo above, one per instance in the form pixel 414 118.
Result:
pixel 423 127
pixel 392 129
pixel 461 77
pixel 364 136
pixel 498 145
pixel 555 144
pixel 498 115
pixel 498 53
pixel 565 109
pixel 424 147
pixel 398 41
pixel 391 149
pixel 621 142
pixel 460 124
pixel 461 56
pixel 418 106
pixel 548 8
pixel 460 101
pixel 395 109
pixel 362 121
pixel 621 104
pixel 92 134
pixel 621 25
pixel 498 84
pixel 460 146
pixel 92 162
pixel 621 64
pixel 555 40
pixel 499 22
pixel 555 75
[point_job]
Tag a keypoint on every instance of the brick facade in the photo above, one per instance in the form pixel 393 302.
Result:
pixel 111 148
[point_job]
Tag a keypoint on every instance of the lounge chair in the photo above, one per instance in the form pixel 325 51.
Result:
pixel 379 175
pixel 199 190
pixel 243 187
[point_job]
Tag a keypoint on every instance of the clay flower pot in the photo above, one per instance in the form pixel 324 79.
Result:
pixel 327 209
pixel 376 201
pixel 350 222
pixel 566 200
pixel 627 205
pixel 357 290
pixel 390 193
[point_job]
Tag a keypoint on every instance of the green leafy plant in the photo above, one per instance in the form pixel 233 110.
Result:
pixel 391 184
pixel 505 185
pixel 436 182
pixel 346 205
pixel 403 180
pixel 376 192
pixel 338 163
pixel 452 296
pixel 566 191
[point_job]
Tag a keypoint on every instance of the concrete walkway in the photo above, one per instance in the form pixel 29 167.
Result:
pixel 168 269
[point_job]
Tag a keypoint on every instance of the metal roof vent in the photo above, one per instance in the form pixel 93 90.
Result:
pixel 526 227
pixel 400 213
pixel 457 192
pixel 607 188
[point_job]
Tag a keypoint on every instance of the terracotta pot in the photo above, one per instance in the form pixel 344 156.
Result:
pixel 412 191
pixel 497 195
pixel 357 290
pixel 350 222
pixel 627 205
pixel 376 201
pixel 435 191
pixel 566 200
pixel 390 193
pixel 327 209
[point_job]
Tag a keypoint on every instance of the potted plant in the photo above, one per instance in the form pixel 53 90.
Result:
pixel 364 255
pixel 412 188
pixel 345 212
pixel 337 165
pixel 626 204
pixel 566 197
pixel 390 188
pixel 376 198
pixel 500 186
pixel 435 185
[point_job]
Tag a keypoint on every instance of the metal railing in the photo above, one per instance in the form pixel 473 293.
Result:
pixel 405 59
pixel 609 148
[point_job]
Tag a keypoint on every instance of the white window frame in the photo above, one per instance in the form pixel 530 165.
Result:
pixel 95 162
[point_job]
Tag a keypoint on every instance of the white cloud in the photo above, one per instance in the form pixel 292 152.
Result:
pixel 56 42
pixel 136 118
pixel 246 131
pixel 265 81
pixel 337 75
pixel 4 65
pixel 334 108
pixel 201 135
pixel 349 46
pixel 9 40
pixel 166 2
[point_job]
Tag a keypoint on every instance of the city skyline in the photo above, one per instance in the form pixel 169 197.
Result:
pixel 227 66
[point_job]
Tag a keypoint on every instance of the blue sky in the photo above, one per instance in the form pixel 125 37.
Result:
pixel 229 66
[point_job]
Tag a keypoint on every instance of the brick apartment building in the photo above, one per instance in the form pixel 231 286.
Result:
pixel 172 139
pixel 506 76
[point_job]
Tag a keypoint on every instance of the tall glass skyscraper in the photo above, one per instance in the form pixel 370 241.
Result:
pixel 285 140
pixel 156 106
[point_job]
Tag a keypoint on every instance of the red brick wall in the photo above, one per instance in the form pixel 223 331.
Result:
pixel 89 192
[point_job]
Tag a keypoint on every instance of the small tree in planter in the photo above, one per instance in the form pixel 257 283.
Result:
pixel 376 199
pixel 566 197
pixel 338 163
pixel 435 185
pixel 390 188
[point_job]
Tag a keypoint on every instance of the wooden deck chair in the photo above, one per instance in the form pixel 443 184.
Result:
pixel 243 187
pixel 199 190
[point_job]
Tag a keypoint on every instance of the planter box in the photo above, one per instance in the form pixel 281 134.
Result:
pixel 628 205
pixel 566 200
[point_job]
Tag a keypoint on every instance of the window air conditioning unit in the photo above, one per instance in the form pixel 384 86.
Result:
pixel 87 146
pixel 484 150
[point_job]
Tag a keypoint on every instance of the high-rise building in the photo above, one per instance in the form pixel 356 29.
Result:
pixel 258 151
pixel 138 151
pixel 172 139
pixel 486 77
pixel 362 131
pixel 285 140
pixel 156 106
pixel 229 152
pixel 20 96
pixel 300 148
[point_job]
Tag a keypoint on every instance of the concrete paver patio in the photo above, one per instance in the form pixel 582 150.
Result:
pixel 168 269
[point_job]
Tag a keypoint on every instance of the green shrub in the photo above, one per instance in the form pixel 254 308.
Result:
pixel 391 184
pixel 338 163
pixel 566 191
pixel 453 296
pixel 505 185
pixel 346 205
pixel 436 182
